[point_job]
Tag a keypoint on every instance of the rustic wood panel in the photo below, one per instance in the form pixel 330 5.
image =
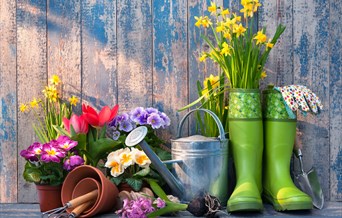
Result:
pixel 32 76
pixel 170 77
pixel 99 66
pixel 134 53
pixel 335 93
pixel 64 44
pixel 8 102
pixel 279 65
pixel 311 65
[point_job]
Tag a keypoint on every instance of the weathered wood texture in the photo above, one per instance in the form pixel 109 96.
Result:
pixel 145 53
pixel 8 102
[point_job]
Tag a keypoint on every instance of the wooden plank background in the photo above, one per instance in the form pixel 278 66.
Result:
pixel 145 53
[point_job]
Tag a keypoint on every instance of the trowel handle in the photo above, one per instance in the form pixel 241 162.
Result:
pixel 212 114
pixel 299 155
pixel 83 198
pixel 80 209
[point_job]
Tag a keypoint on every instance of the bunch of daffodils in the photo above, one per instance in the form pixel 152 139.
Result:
pixel 240 53
pixel 54 110
pixel 129 165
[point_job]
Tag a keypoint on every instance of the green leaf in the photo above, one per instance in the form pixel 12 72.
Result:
pixel 116 180
pixel 31 173
pixel 103 132
pixel 101 147
pixel 143 172
pixel 136 184
pixel 82 141
pixel 61 130
pixel 72 130
pixel 157 189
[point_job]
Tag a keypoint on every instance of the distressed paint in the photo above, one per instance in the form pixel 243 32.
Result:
pixel 170 77
pixel 134 53
pixel 99 64
pixel 8 100
pixel 335 93
pixel 64 45
pixel 311 68
pixel 279 65
pixel 32 76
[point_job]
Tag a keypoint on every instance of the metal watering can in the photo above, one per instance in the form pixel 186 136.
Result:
pixel 201 163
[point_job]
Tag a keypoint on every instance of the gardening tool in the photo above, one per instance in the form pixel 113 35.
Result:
pixel 73 203
pixel 201 163
pixel 80 209
pixel 308 182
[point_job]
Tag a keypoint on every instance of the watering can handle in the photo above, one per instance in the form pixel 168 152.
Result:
pixel 212 114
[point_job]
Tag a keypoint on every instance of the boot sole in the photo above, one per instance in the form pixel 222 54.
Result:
pixel 245 206
pixel 288 206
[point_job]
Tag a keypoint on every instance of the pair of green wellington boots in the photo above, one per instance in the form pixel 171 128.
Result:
pixel 262 152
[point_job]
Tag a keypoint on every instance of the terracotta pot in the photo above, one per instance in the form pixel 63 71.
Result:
pixel 85 186
pixel 49 197
pixel 108 192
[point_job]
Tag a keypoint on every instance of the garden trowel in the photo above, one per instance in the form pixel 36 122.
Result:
pixel 308 182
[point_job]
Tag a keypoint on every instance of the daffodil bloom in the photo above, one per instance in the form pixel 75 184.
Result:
pixel 126 158
pixel 55 80
pixel 206 22
pixel 269 44
pixel 227 35
pixel 23 108
pixel 236 17
pixel 247 10
pixel 34 103
pixel 256 5
pixel 239 30
pixel 225 50
pixel 263 75
pixel 212 8
pixel 260 37
pixel 50 92
pixel 198 21
pixel 225 12
pixel 203 57
pixel 220 27
pixel 73 100
pixel 141 158
pixel 214 81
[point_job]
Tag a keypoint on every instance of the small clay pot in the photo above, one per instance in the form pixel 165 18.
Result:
pixel 83 187
pixel 108 192
pixel 49 197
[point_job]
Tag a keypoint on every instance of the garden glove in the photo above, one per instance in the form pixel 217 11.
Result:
pixel 298 97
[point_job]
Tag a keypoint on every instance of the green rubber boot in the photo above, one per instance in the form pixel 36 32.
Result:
pixel 246 139
pixel 280 133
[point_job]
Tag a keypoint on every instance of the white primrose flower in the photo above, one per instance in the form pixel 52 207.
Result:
pixel 141 158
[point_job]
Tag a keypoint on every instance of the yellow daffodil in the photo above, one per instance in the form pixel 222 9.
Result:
pixel 34 103
pixel 225 12
pixel 141 158
pixel 203 57
pixel 214 82
pixel 212 8
pixel 256 5
pixel 203 21
pixel 263 75
pixel 220 27
pixel 247 10
pixel 236 17
pixel 198 21
pixel 227 35
pixel 269 44
pixel 239 29
pixel 51 93
pixel 23 108
pixel 260 37
pixel 55 80
pixel 225 49
pixel 73 100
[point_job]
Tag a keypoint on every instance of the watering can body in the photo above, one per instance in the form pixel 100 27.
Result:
pixel 200 164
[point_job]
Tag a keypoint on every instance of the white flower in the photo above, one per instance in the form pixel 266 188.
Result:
pixel 126 158
pixel 113 162
pixel 140 158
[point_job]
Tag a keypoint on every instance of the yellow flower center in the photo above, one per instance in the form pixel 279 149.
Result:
pixel 125 158
pixel 141 159
pixel 51 152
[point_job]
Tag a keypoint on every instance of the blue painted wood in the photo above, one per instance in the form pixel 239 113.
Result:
pixel 134 54
pixel 8 103
pixel 99 56
pixel 170 77
pixel 335 102
pixel 31 77
pixel 311 68
pixel 64 45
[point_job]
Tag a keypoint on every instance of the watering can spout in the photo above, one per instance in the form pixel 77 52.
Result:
pixel 137 137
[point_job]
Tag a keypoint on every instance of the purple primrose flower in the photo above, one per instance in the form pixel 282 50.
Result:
pixel 116 135
pixel 126 126
pixel 151 110
pixel 165 118
pixel 52 153
pixel 66 143
pixel 32 152
pixel 73 162
pixel 155 121
pixel 138 115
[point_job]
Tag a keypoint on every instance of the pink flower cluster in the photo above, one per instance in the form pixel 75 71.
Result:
pixel 139 208
pixel 54 151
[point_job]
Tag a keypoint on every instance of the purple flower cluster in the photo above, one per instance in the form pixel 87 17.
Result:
pixel 138 208
pixel 60 150
pixel 139 116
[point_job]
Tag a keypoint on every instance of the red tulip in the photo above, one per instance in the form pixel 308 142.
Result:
pixel 79 124
pixel 99 119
